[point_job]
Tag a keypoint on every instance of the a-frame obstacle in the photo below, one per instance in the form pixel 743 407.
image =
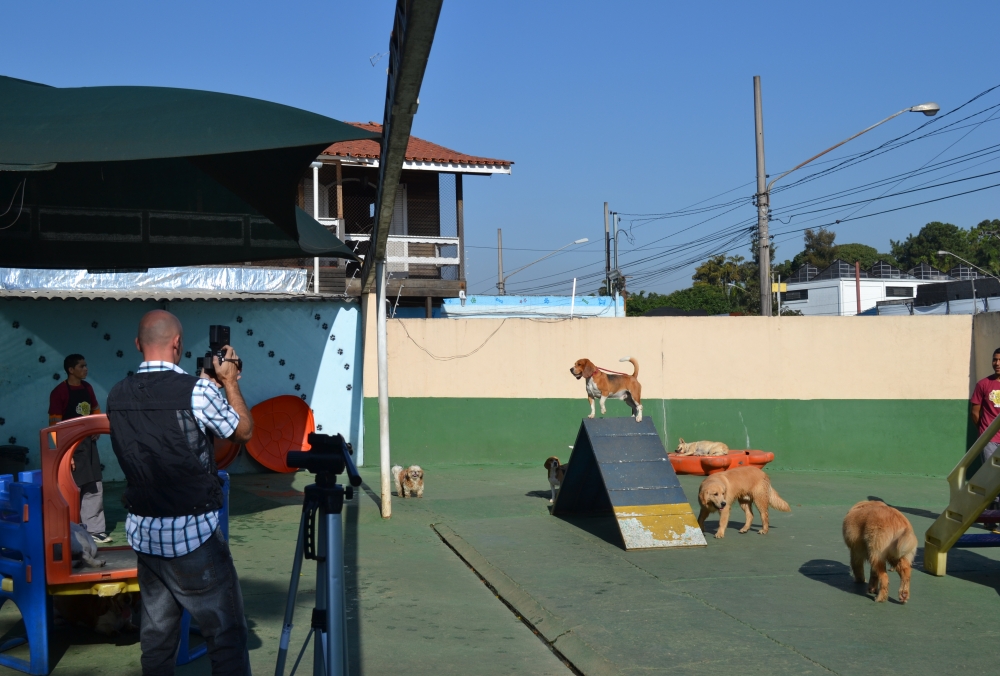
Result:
pixel 620 467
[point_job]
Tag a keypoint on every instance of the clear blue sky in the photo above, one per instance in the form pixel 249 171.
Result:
pixel 648 106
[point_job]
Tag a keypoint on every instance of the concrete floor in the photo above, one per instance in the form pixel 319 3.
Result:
pixel 775 604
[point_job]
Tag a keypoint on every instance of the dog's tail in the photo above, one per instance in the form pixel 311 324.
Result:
pixel 396 471
pixel 907 545
pixel 776 502
pixel 635 365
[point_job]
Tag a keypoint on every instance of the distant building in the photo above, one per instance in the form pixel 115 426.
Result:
pixel 833 291
pixel 426 248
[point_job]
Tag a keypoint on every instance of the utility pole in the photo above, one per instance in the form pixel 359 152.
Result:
pixel 607 252
pixel 500 288
pixel 763 206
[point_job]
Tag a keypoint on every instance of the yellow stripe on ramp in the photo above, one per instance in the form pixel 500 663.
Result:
pixel 656 526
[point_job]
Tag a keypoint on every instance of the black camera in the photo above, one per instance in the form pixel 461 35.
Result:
pixel 328 454
pixel 218 337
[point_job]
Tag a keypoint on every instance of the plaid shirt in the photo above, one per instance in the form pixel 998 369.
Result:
pixel 171 537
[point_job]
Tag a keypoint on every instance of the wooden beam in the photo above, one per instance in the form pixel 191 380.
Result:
pixel 409 49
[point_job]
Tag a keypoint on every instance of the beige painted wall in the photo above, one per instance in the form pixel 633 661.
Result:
pixel 683 357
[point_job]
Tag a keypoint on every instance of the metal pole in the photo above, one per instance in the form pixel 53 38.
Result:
pixel 383 392
pixel 857 282
pixel 617 219
pixel 460 222
pixel 293 590
pixel 607 252
pixel 763 200
pixel 500 288
pixel 572 299
pixel 315 168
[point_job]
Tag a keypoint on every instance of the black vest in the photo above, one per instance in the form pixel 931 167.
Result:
pixel 168 461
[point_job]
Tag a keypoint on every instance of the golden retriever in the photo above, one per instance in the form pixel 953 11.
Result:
pixel 603 386
pixel 701 448
pixel 745 485
pixel 879 534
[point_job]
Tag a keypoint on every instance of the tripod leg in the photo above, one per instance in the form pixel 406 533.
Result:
pixel 335 593
pixel 293 590
pixel 320 649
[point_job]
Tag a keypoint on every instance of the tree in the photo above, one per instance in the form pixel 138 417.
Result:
pixel 820 249
pixel 719 271
pixel 985 241
pixel 864 254
pixel 698 297
pixel 933 237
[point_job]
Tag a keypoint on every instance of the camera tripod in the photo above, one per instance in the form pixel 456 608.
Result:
pixel 324 499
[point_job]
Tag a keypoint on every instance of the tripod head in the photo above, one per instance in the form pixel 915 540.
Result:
pixel 327 457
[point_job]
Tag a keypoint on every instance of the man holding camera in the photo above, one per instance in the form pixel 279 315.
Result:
pixel 162 423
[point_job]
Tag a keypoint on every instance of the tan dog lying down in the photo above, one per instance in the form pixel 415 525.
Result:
pixel 701 448
pixel 744 485
pixel 606 386
pixel 879 534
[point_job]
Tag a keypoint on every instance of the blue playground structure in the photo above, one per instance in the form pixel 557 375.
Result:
pixel 22 566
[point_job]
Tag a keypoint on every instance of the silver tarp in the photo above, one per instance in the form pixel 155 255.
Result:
pixel 238 279
pixel 953 307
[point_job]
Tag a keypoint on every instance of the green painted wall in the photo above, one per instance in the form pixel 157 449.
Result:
pixel 896 436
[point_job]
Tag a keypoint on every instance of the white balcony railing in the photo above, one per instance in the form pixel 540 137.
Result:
pixel 406 250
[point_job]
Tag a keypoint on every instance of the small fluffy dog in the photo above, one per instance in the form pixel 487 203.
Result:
pixel 83 546
pixel 745 485
pixel 603 386
pixel 701 448
pixel 557 472
pixel 879 534
pixel 409 481
pixel 106 615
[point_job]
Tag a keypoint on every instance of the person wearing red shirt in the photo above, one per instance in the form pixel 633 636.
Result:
pixel 72 398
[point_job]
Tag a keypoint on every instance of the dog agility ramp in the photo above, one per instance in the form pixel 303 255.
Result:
pixel 620 467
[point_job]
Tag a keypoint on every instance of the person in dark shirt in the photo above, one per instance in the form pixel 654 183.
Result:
pixel 73 398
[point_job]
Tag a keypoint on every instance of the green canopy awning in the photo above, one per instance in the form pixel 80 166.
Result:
pixel 133 177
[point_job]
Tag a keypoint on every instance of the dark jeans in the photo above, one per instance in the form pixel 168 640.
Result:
pixel 204 582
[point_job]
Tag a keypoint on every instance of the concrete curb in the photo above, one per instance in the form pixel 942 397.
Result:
pixel 554 630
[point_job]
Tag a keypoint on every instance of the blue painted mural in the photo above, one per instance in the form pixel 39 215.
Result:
pixel 307 349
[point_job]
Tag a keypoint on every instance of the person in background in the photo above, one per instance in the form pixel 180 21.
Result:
pixel 985 407
pixel 72 398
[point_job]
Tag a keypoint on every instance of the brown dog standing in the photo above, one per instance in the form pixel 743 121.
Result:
pixel 746 485
pixel 606 386
pixel 879 534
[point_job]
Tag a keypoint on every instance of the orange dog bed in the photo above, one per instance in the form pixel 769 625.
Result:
pixel 710 464
pixel 281 424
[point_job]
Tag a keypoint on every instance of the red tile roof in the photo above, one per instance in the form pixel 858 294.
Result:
pixel 418 150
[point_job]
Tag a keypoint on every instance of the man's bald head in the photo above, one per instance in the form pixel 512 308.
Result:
pixel 158 328
pixel 160 336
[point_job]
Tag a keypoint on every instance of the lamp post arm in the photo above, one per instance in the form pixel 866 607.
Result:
pixel 551 253
pixel 971 265
pixel 799 166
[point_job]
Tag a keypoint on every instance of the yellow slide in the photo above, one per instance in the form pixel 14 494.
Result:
pixel 969 497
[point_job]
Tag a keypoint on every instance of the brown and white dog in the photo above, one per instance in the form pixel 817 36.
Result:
pixel 880 535
pixel 701 448
pixel 557 472
pixel 745 485
pixel 409 481
pixel 606 386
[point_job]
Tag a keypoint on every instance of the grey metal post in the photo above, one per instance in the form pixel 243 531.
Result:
pixel 460 221
pixel 607 252
pixel 763 201
pixel 500 288
pixel 383 391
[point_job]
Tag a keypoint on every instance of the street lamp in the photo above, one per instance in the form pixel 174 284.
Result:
pixel 502 283
pixel 948 253
pixel 764 188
